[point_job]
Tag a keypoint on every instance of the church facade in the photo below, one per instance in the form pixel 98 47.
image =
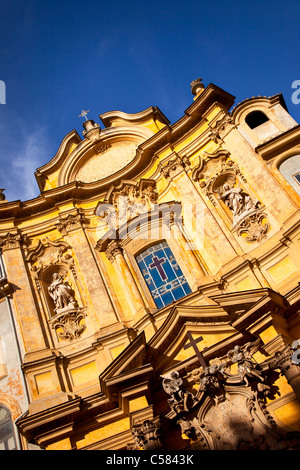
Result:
pixel 154 282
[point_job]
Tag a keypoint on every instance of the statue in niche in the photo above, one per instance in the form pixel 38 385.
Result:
pixel 61 293
pixel 238 201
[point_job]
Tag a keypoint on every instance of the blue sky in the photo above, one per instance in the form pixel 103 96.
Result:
pixel 59 57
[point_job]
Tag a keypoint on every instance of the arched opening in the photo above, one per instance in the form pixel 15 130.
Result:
pixel 255 119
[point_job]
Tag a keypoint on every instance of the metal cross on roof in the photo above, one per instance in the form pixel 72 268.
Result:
pixel 193 343
pixel 83 114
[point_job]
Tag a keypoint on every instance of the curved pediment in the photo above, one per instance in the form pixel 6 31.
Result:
pixel 103 155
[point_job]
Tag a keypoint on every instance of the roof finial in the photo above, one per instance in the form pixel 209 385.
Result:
pixel 197 86
pixel 83 114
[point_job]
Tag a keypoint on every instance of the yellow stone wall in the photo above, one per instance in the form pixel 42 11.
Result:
pixel 100 289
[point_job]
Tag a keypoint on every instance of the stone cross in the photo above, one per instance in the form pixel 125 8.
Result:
pixel 193 343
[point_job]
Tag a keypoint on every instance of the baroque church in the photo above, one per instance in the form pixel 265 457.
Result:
pixel 150 295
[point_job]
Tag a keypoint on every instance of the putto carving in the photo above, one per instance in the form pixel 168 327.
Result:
pixel 247 367
pixel 211 380
pixel 180 400
pixel 230 409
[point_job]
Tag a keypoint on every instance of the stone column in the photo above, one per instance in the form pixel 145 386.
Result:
pixel 173 221
pixel 102 314
pixel 284 360
pixel 23 300
pixel 114 253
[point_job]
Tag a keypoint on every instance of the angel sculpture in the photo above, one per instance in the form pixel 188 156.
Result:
pixel 247 367
pixel 172 384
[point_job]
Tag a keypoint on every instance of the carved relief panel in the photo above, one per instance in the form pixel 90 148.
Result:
pixel 229 409
pixel 54 273
pixel 126 201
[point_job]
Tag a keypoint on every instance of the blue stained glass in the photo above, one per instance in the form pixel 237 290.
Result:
pixel 162 274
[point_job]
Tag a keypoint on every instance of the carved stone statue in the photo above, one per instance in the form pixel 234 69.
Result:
pixel 180 400
pixel 247 367
pixel 238 201
pixel 61 293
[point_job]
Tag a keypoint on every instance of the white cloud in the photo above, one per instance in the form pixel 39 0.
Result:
pixel 20 182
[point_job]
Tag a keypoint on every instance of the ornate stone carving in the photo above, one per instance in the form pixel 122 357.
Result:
pixel 213 171
pixel 126 201
pixel 68 323
pixel 174 166
pixel 220 179
pixel 247 367
pixel 147 435
pixel 100 148
pixel 49 253
pixel 70 222
pixel 229 410
pixel 254 226
pixel 180 400
pixel 11 241
pixel 211 381
pixel 51 264
pixel 219 129
pixel 113 250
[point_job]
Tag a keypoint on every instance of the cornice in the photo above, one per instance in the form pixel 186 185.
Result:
pixel 280 143
pixel 111 117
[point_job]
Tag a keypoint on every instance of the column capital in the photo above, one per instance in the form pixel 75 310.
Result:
pixel 11 241
pixel 70 222
pixel 113 249
pixel 175 166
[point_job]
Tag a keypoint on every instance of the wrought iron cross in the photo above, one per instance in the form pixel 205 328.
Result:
pixel 83 114
pixel 193 343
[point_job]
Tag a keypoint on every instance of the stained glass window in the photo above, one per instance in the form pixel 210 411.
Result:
pixel 162 274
